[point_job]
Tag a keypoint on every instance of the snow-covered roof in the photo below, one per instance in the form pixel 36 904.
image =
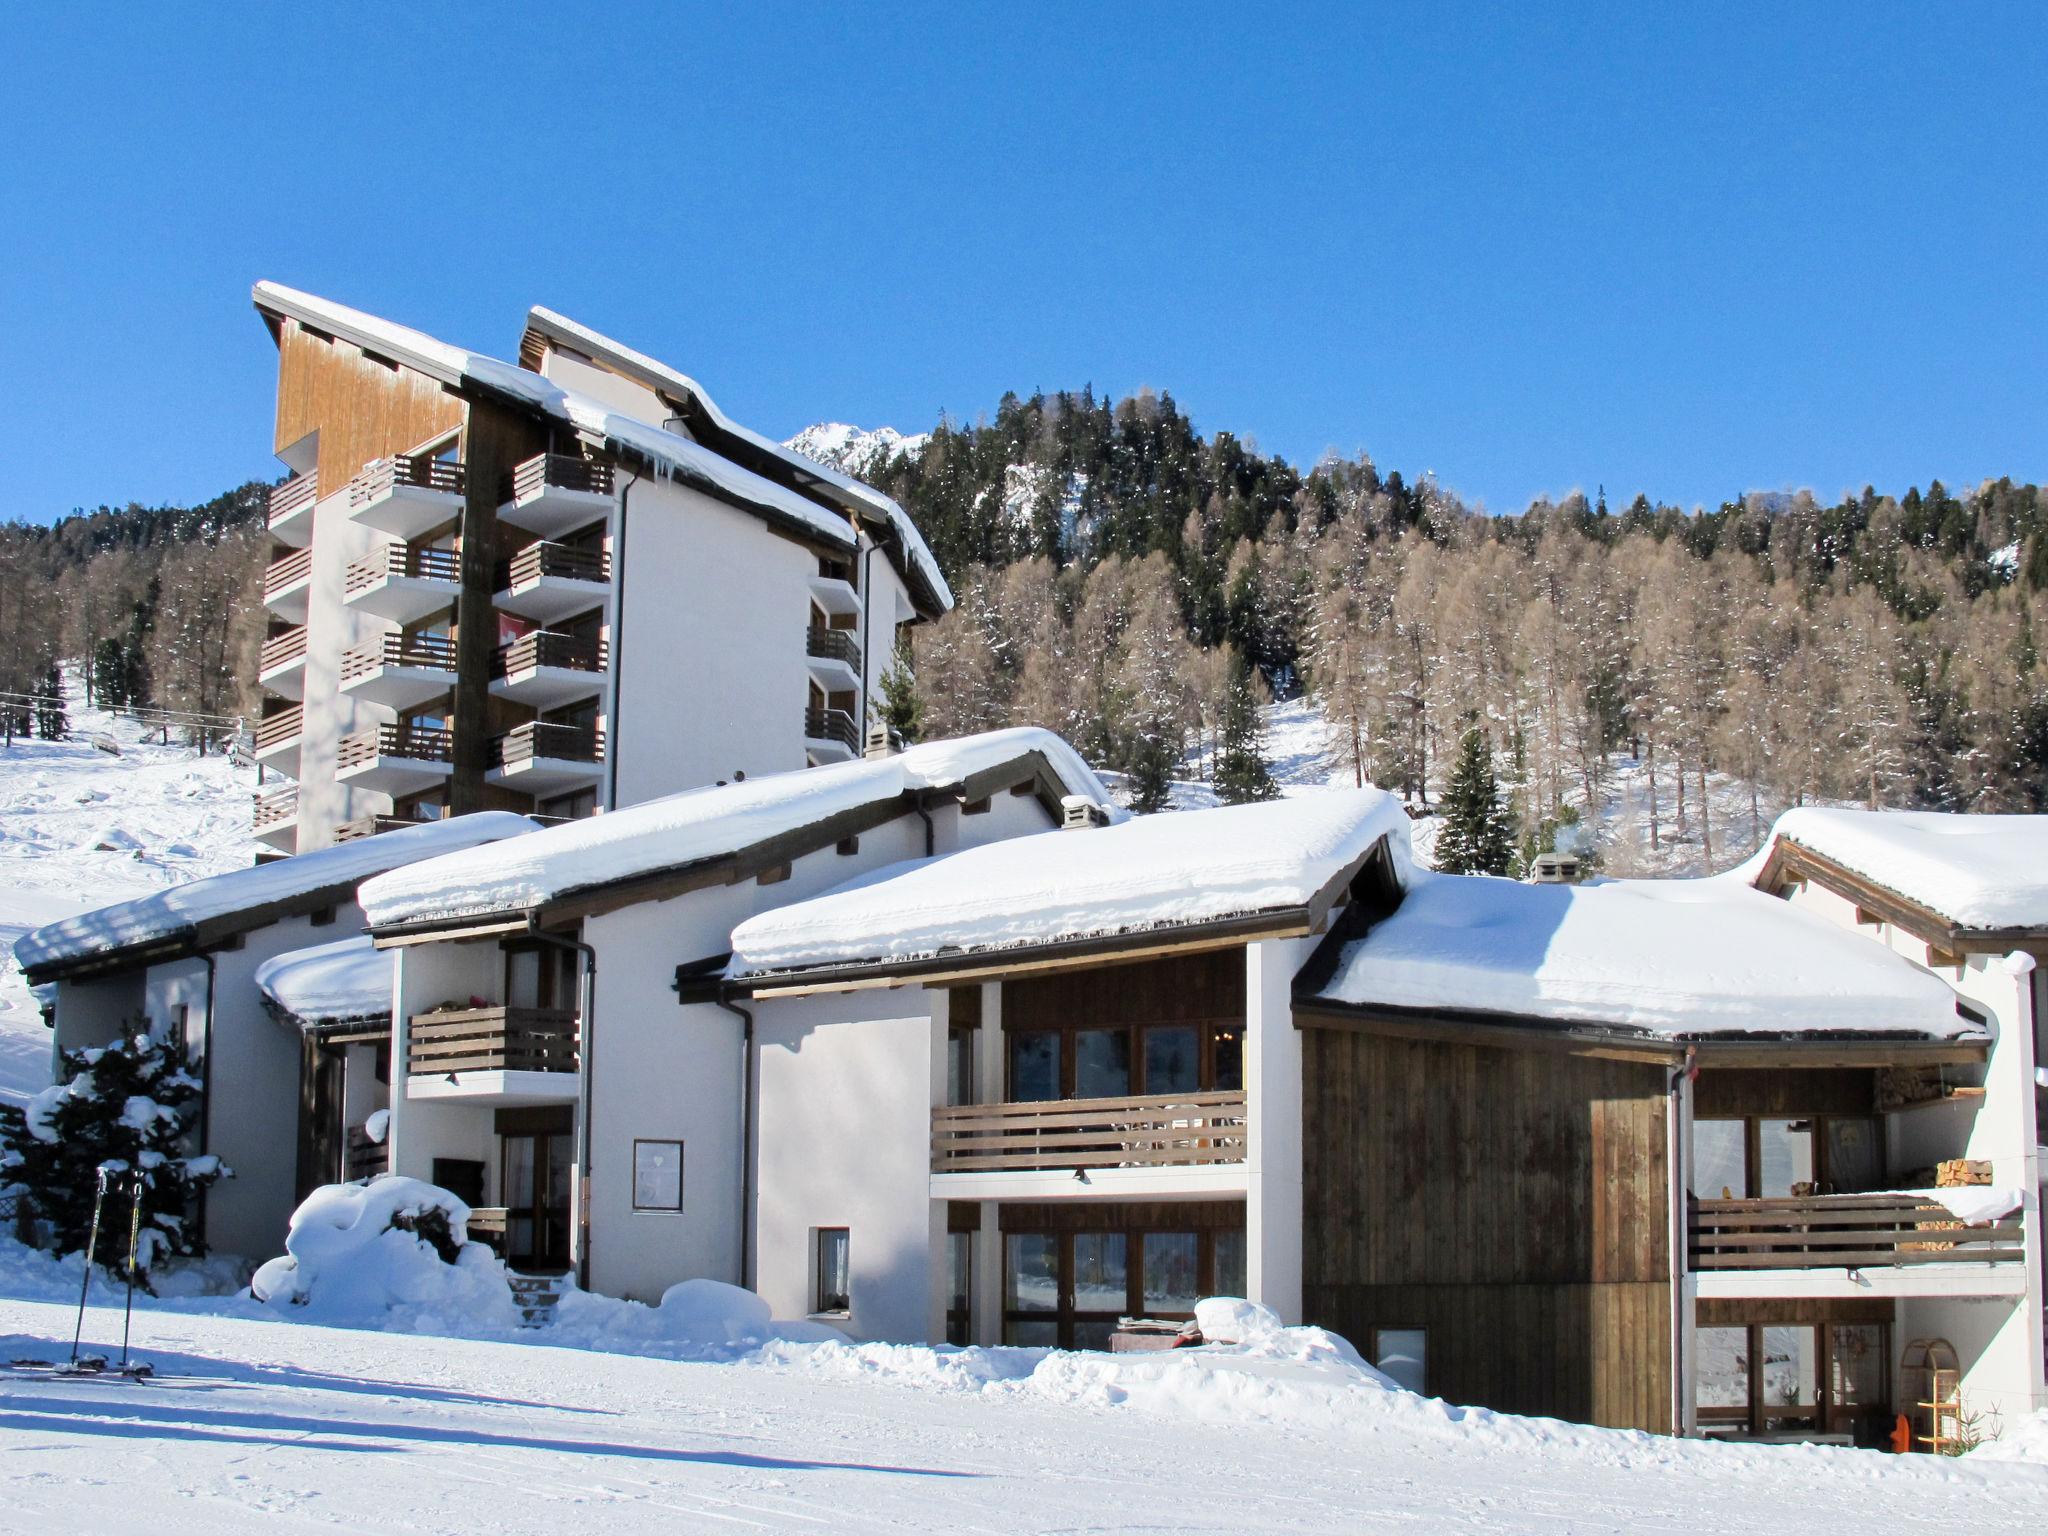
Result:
pixel 1174 870
pixel 338 983
pixel 916 552
pixel 223 905
pixel 685 829
pixel 1662 957
pixel 670 454
pixel 1985 872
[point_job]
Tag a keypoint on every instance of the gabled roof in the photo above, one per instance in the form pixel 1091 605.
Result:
pixel 1235 872
pixel 324 985
pixel 1943 877
pixel 762 454
pixel 660 848
pixel 1670 959
pixel 188 918
pixel 667 455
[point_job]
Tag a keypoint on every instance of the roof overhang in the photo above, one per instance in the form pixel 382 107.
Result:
pixel 1790 862
pixel 190 940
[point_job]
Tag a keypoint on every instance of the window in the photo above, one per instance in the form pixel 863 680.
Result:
pixel 657 1175
pixel 959 1287
pixel 1794 1379
pixel 834 1292
pixel 1776 1157
pixel 960 1064
pixel 1403 1355
pixel 1068 1289
pixel 1116 1061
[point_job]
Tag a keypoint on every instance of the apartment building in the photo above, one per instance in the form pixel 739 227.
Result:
pixel 552 587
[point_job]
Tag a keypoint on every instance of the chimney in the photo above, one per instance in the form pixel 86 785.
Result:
pixel 1080 813
pixel 881 742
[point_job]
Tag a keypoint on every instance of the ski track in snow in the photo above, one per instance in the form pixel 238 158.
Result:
pixel 80 828
pixel 260 1425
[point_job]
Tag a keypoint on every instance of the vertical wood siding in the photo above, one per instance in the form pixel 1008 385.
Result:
pixel 361 409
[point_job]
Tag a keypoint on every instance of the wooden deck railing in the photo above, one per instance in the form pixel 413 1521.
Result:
pixel 492 1040
pixel 559 560
pixel 557 471
pixel 487 1225
pixel 275 730
pixel 418 743
pixel 370 826
pixel 538 738
pixel 831 725
pixel 290 571
pixel 546 648
pixel 833 645
pixel 1153 1131
pixel 366 1158
pixel 283 649
pixel 428 652
pixel 275 807
pixel 416 470
pixel 295 495
pixel 399 560
pixel 1843 1232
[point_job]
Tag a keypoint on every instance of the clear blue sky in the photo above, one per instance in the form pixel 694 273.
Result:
pixel 1801 245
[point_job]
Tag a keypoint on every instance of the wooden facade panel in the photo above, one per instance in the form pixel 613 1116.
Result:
pixel 1786 1091
pixel 362 409
pixel 1174 989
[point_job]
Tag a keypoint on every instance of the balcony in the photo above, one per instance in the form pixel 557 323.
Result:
pixel 291 509
pixel 281 665
pixel 401 672
pixel 403 584
pixel 276 817
pixel 539 758
pixel 545 670
pixel 553 493
pixel 366 1158
pixel 288 584
pixel 830 734
pixel 834 657
pixel 370 826
pixel 408 495
pixel 278 737
pixel 395 759
pixel 547 582
pixel 1749 1246
pixel 506 1055
pixel 832 590
pixel 1181 1139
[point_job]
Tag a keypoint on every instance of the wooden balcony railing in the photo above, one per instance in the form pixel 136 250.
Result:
pixel 538 738
pixel 428 652
pixel 492 1040
pixel 1843 1232
pixel 277 729
pixel 1153 1131
pixel 413 742
pixel 549 559
pixel 557 471
pixel 418 470
pixel 283 649
pixel 399 560
pixel 487 1225
pixel 831 725
pixel 366 1158
pixel 370 826
pixel 288 572
pixel 276 807
pixel 833 645
pixel 546 648
pixel 295 495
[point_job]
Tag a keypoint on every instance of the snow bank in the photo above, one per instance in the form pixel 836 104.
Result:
pixel 699 824
pixel 346 1261
pixel 168 913
pixel 1149 872
pixel 1976 871
pixel 695 1319
pixel 329 983
pixel 1680 957
pixel 2024 1441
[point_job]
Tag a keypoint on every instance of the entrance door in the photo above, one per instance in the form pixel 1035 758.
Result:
pixel 536 1185
pixel 322 1133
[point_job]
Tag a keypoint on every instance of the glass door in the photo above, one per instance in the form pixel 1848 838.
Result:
pixel 536 1184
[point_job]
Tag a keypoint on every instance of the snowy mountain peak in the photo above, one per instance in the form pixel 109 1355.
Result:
pixel 841 446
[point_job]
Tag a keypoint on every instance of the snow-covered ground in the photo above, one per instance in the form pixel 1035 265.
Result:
pixel 80 828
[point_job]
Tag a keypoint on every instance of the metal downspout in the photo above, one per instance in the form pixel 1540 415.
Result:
pixel 206 1084
pixel 867 581
pixel 746 1016
pixel 586 1051
pixel 1677 1235
pixel 618 692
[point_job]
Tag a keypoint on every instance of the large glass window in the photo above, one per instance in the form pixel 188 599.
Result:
pixel 959 1287
pixel 1777 1157
pixel 1071 1287
pixel 1794 1380
pixel 1230 1268
pixel 1115 1061
pixel 1031 1272
pixel 1855 1155
pixel 1791 1379
pixel 1173 1059
pixel 1785 1159
pixel 1172 1269
pixel 1720 1153
pixel 1721 1380
pixel 1102 1063
pixel 1035 1066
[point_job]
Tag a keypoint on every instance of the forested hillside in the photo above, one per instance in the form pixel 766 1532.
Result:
pixel 1110 562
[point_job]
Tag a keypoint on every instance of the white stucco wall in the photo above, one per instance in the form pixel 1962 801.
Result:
pixel 1273 1152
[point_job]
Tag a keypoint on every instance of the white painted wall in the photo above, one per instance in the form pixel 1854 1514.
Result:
pixel 1273 1151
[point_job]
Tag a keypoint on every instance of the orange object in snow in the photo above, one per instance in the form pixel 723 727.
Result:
pixel 1902 1435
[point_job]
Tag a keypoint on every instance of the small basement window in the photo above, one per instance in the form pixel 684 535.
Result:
pixel 834 1288
pixel 1403 1355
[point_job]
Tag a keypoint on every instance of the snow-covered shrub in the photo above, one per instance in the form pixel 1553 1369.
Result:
pixel 358 1252
pixel 129 1109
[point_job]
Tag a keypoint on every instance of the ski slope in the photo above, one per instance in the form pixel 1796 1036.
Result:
pixel 80 827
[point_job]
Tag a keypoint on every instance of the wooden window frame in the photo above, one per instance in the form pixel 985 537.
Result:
pixel 1066 1317
pixel 1206 1030
pixel 1753 1154
pixel 1824 1407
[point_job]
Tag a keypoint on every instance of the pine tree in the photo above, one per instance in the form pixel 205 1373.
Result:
pixel 129 1108
pixel 901 709
pixel 1478 834
pixel 1241 770
pixel 52 724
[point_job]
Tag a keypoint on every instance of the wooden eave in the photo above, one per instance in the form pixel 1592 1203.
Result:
pixel 191 939
pixel 1790 861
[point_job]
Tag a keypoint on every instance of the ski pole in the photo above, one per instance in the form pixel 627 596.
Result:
pixel 134 1234
pixel 92 1244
